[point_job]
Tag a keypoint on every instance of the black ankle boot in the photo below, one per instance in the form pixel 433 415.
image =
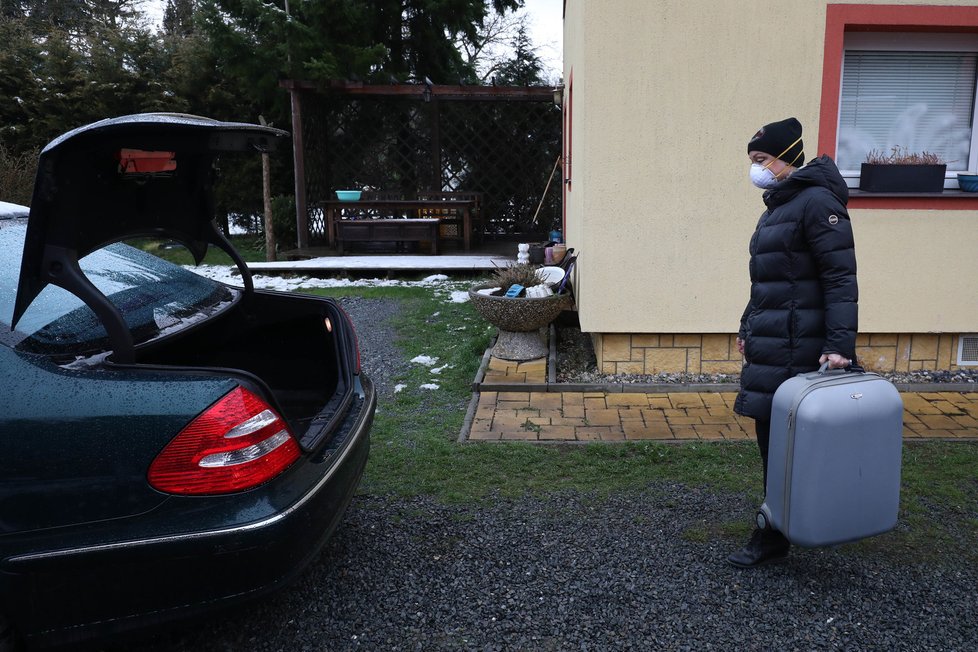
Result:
pixel 764 547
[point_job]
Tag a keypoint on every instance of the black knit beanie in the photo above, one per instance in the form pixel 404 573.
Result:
pixel 781 140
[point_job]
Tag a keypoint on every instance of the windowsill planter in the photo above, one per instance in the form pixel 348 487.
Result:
pixel 889 177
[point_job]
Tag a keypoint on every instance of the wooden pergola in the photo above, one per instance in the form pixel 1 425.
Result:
pixel 435 147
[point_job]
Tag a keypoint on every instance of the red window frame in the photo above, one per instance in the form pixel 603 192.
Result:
pixel 840 19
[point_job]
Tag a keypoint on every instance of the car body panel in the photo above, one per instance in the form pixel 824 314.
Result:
pixel 269 538
pixel 51 411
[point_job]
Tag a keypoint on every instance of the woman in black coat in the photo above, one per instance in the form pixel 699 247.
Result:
pixel 803 300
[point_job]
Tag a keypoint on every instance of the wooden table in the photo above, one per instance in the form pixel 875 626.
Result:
pixel 397 209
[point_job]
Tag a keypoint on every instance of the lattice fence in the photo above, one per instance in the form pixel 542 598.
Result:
pixel 504 149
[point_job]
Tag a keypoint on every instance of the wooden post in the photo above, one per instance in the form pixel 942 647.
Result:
pixel 301 214
pixel 266 183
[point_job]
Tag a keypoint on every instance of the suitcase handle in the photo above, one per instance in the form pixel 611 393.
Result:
pixel 851 368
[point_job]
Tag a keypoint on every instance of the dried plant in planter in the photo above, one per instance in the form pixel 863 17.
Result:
pixel 903 156
pixel 902 171
pixel 524 274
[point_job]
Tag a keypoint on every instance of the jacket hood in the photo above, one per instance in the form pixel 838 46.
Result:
pixel 820 172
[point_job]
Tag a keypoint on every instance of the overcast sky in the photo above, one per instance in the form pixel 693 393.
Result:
pixel 547 32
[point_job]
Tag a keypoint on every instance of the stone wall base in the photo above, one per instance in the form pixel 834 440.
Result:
pixel 649 353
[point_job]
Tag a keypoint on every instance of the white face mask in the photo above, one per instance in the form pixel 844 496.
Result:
pixel 762 177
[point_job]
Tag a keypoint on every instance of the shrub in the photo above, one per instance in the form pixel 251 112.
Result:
pixel 17 172
pixel 283 221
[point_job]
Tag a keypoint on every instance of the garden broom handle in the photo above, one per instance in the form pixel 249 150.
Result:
pixel 549 179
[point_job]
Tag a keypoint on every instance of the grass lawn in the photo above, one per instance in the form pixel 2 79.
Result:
pixel 415 448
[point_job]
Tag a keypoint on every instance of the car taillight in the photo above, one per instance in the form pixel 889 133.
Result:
pixel 236 444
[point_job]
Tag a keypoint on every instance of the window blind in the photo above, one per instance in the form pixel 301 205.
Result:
pixel 919 101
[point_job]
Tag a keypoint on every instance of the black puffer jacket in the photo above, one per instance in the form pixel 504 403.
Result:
pixel 803 284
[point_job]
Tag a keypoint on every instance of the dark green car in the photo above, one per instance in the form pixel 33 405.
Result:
pixel 168 443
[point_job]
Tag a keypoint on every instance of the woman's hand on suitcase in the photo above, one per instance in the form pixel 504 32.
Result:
pixel 835 360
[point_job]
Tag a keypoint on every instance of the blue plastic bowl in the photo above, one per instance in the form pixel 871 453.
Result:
pixel 968 182
pixel 348 195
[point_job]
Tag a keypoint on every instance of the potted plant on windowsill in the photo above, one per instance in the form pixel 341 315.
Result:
pixel 902 171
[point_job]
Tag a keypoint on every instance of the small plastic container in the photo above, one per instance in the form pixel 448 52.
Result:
pixel 539 291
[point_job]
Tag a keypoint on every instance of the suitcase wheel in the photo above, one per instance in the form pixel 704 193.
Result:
pixel 762 521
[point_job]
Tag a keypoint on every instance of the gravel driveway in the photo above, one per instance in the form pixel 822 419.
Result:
pixel 634 571
pixel 569 572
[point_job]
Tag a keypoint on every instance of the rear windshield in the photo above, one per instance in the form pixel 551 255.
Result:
pixel 155 297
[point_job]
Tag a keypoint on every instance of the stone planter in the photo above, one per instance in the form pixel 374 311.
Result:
pixel 519 321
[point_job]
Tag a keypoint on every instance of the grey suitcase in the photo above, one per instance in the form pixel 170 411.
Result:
pixel 834 458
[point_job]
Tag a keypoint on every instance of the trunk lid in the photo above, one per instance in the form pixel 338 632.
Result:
pixel 138 175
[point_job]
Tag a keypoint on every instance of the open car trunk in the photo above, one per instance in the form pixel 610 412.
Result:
pixel 152 175
pixel 301 349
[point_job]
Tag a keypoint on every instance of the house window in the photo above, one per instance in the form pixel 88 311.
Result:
pixel 912 29
pixel 911 91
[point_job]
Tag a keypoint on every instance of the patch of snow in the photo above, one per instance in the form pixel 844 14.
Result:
pixel 438 370
pixel 398 387
pixel 429 386
pixel 230 275
pixel 426 360
pixel 460 296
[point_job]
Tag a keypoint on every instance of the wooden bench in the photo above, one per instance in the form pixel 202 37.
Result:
pixel 388 230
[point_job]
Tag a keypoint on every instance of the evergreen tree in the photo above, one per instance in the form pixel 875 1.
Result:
pixel 524 69
pixel 75 17
pixel 68 62
pixel 20 59
pixel 178 17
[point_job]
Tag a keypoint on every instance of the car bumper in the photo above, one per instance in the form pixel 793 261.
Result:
pixel 70 594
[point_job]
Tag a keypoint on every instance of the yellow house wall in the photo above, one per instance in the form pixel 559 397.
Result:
pixel 666 95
